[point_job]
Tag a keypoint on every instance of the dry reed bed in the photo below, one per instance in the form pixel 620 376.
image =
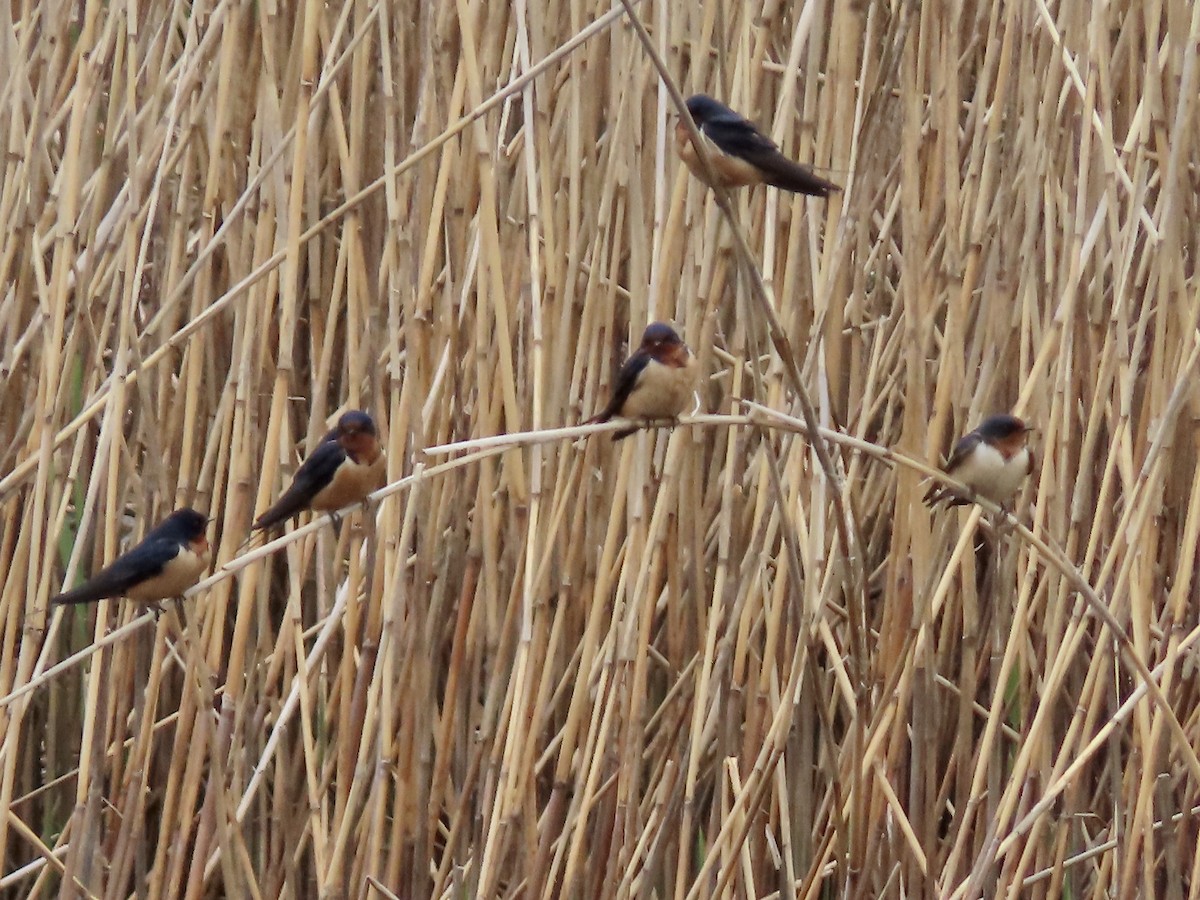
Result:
pixel 668 667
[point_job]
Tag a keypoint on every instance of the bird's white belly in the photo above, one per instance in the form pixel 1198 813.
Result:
pixel 662 392
pixel 351 483
pixel 729 170
pixel 179 574
pixel 989 474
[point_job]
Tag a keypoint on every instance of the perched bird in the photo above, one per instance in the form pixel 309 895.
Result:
pixel 168 561
pixel 347 465
pixel 992 461
pixel 741 154
pixel 656 382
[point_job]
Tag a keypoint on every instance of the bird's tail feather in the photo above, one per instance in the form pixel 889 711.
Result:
pixel 82 594
pixel 782 173
pixel 287 506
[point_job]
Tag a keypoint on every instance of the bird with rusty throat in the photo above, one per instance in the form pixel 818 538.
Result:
pixel 169 560
pixel 740 154
pixel 657 382
pixel 992 461
pixel 347 465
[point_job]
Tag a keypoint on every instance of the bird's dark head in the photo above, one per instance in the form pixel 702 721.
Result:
pixel 703 107
pixel 356 422
pixel 1005 430
pixel 357 434
pixel 664 344
pixel 660 335
pixel 186 523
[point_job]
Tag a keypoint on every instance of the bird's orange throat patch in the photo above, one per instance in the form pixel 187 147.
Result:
pixel 201 547
pixel 676 357
pixel 1012 445
pixel 361 447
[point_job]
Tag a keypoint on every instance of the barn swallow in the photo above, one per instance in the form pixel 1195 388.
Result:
pixel 168 561
pixel 992 461
pixel 347 465
pixel 741 154
pixel 656 382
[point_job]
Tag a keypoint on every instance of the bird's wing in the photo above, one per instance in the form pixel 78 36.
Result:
pixel 737 136
pixel 626 381
pixel 965 446
pixel 734 134
pixel 144 561
pixel 314 473
pixel 937 491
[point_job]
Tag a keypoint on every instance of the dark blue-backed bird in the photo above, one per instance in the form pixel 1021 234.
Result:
pixel 992 460
pixel 657 382
pixel 741 154
pixel 168 561
pixel 347 465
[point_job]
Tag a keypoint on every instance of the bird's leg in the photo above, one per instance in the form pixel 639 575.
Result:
pixel 1004 520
